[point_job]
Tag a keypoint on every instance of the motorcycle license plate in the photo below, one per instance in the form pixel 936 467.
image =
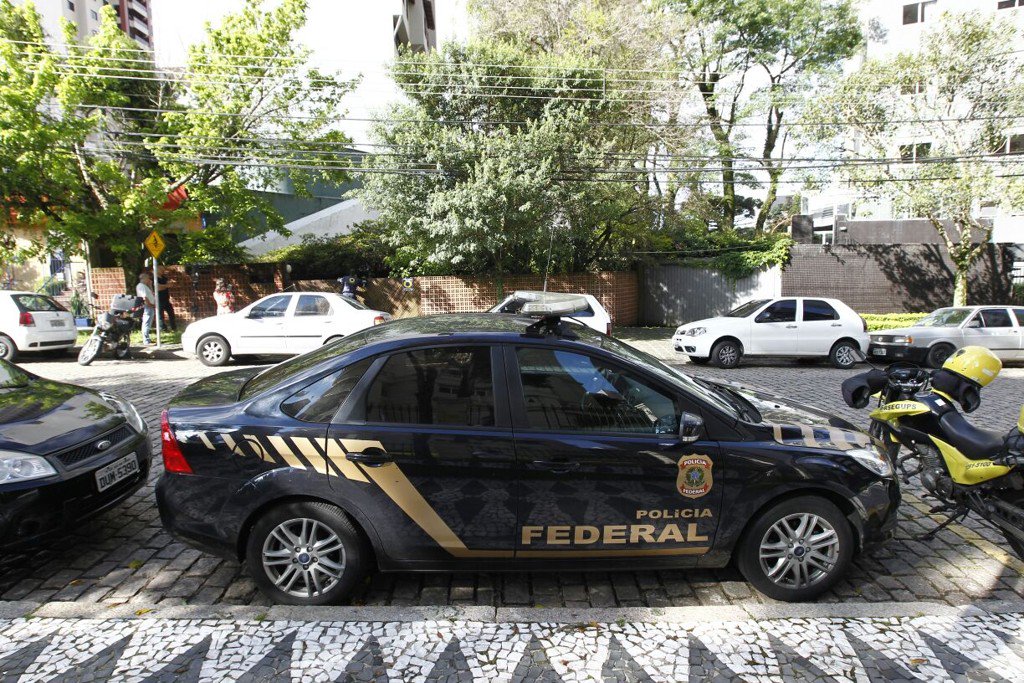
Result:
pixel 119 470
pixel 879 352
pixel 57 323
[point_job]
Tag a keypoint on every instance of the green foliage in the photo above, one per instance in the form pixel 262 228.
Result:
pixel 85 172
pixel 888 321
pixel 505 178
pixel 733 254
pixel 323 257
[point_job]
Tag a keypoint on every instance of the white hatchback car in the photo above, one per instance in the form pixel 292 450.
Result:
pixel 280 324
pixel 788 326
pixel 34 322
pixel 595 316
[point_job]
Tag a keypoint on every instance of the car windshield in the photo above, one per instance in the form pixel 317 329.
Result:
pixel 945 317
pixel 11 377
pixel 743 310
pixel 708 392
pixel 358 305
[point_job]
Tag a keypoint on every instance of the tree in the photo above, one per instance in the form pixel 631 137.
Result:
pixel 501 163
pixel 754 59
pixel 941 116
pixel 97 138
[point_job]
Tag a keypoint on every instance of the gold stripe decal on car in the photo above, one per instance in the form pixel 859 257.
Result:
pixel 399 489
pixel 206 440
pixel 336 455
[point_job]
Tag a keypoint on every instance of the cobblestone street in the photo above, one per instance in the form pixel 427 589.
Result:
pixel 124 556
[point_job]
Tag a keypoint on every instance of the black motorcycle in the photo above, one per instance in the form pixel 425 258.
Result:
pixel 113 329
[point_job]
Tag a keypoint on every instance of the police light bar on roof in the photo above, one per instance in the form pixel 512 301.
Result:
pixel 540 304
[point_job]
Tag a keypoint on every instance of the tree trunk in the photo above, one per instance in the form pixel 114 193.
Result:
pixel 773 193
pixel 960 284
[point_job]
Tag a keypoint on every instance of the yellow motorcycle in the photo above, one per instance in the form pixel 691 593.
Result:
pixel 965 468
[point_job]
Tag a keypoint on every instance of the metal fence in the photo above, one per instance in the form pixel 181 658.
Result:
pixel 673 294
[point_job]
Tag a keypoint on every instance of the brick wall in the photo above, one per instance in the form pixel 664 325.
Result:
pixel 893 278
pixel 617 292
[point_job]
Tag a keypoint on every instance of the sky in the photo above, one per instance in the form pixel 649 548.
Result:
pixel 351 36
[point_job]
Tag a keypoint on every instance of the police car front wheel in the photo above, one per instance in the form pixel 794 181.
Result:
pixel 797 549
pixel 306 553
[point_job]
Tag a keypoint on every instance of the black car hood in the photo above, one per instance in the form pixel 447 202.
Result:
pixel 797 424
pixel 46 417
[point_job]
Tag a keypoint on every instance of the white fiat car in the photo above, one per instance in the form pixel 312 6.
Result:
pixel 280 324
pixel 788 326
pixel 34 322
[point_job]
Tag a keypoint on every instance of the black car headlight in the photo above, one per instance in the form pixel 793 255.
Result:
pixel 16 466
pixel 872 460
pixel 128 410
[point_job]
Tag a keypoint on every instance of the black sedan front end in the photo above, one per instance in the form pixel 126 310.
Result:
pixel 66 454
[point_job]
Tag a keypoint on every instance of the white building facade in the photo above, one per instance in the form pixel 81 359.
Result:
pixel 898 26
pixel 133 16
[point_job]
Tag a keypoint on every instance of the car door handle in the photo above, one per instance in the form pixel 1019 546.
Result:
pixel 372 458
pixel 556 466
pixel 790 327
pixel 837 324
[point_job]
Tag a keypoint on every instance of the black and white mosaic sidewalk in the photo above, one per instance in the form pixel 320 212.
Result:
pixel 975 647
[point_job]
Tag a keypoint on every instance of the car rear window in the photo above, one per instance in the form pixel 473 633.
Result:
pixel 320 401
pixel 36 303
pixel 816 310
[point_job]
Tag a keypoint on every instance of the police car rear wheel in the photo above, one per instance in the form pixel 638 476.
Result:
pixel 306 554
pixel 797 549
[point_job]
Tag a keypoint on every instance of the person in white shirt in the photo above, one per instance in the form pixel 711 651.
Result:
pixel 144 290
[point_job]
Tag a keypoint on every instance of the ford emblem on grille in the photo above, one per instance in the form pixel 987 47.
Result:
pixel 102 445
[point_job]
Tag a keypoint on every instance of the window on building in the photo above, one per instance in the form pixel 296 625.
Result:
pixel 439 386
pixel 918 12
pixel 1009 4
pixel 1014 144
pixel 428 14
pixel 95 16
pixel 915 151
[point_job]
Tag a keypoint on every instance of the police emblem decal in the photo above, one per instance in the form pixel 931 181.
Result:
pixel 694 479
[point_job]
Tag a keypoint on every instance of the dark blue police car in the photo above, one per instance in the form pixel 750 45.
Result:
pixel 497 442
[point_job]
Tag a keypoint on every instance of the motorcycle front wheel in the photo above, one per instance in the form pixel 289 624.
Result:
pixel 89 351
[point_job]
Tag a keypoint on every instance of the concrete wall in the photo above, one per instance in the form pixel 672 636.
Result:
pixel 673 293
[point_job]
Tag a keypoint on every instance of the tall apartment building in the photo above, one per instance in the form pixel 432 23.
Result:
pixel 133 16
pixel 892 26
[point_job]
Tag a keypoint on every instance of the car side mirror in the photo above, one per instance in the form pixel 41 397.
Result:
pixel 974 323
pixel 690 427
pixel 255 315
pixel 763 318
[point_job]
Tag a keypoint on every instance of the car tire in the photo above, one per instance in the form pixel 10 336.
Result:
pixel 8 349
pixel 843 354
pixel 699 361
pixel 938 354
pixel 277 569
pixel 803 574
pixel 726 354
pixel 213 350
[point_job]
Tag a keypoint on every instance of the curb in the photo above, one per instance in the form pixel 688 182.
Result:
pixel 129 610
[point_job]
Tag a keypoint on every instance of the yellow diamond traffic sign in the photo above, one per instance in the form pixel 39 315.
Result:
pixel 155 244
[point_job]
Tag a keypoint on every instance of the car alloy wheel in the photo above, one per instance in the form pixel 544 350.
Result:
pixel 726 354
pixel 214 351
pixel 304 558
pixel 844 356
pixel 8 350
pixel 799 550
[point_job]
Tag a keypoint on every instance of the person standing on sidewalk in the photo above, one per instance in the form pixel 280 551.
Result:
pixel 164 293
pixel 144 290
pixel 224 297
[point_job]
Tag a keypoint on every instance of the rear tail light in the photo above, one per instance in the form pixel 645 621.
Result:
pixel 26 320
pixel 379 320
pixel 174 459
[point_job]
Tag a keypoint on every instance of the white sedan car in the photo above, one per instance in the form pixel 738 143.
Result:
pixel 595 316
pixel 34 322
pixel 789 326
pixel 280 324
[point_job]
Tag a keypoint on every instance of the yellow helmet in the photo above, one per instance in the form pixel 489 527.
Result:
pixel 975 363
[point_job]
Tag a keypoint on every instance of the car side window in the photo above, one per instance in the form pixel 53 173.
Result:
pixel 320 401
pixel 783 311
pixel 1019 314
pixel 568 391
pixel 996 317
pixel 450 386
pixel 816 310
pixel 313 304
pixel 274 307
